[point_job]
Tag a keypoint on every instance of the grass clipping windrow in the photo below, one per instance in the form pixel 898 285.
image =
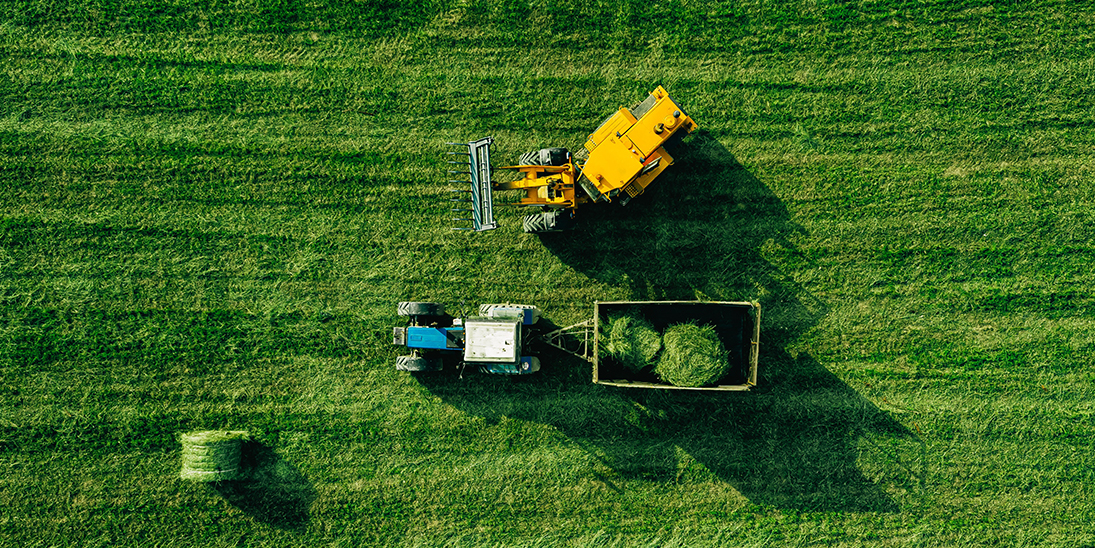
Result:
pixel 212 455
pixel 692 356
pixel 631 340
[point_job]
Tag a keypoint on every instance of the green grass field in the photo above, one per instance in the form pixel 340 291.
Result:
pixel 208 211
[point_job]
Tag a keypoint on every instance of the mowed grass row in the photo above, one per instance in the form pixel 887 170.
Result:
pixel 210 227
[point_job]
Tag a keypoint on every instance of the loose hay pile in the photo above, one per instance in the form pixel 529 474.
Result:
pixel 212 455
pixel 631 340
pixel 692 356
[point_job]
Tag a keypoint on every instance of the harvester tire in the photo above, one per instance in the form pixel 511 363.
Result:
pixel 417 363
pixel 544 157
pixel 551 220
pixel 535 224
pixel 419 309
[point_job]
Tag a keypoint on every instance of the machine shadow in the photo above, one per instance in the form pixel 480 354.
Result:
pixel 792 446
pixel 702 231
pixel 275 492
pixel 698 232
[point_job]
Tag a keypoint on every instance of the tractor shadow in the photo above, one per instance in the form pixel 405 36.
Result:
pixel 703 231
pixel 275 492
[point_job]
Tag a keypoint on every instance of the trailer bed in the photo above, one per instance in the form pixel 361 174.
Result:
pixel 737 324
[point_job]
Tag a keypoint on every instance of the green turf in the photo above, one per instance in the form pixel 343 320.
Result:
pixel 208 211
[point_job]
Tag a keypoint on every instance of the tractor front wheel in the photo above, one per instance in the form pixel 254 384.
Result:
pixel 417 363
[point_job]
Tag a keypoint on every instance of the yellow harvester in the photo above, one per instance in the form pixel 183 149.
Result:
pixel 621 158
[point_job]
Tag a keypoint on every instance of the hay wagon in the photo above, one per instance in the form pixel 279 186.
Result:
pixel 737 325
pixel 500 339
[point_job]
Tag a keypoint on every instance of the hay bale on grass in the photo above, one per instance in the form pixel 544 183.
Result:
pixel 631 340
pixel 212 455
pixel 693 355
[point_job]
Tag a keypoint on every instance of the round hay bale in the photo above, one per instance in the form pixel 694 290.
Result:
pixel 631 340
pixel 693 356
pixel 212 455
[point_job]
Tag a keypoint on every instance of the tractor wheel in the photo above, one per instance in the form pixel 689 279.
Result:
pixel 419 309
pixel 417 363
pixel 488 310
pixel 535 224
pixel 549 221
pixel 544 157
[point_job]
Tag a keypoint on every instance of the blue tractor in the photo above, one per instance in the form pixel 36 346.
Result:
pixel 492 341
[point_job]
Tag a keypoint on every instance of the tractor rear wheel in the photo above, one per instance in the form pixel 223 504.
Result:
pixel 419 309
pixel 417 363
pixel 488 310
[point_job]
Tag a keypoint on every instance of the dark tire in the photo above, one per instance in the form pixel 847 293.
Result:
pixel 417 363
pixel 535 224
pixel 549 221
pixel 544 157
pixel 486 309
pixel 419 309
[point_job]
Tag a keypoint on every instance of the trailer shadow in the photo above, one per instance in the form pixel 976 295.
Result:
pixel 704 231
pixel 794 447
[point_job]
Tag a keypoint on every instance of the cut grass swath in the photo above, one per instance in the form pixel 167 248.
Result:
pixel 631 340
pixel 693 355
